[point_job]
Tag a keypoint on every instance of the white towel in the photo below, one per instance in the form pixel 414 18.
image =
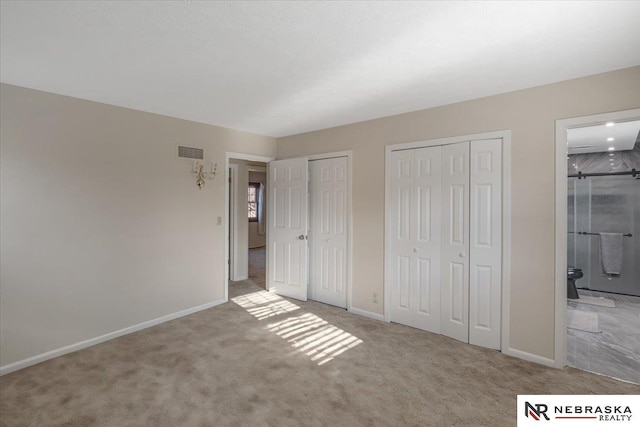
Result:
pixel 611 253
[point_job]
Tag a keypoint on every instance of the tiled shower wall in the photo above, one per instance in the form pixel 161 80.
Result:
pixel 599 162
pixel 605 204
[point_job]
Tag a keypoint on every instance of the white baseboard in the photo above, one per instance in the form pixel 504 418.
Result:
pixel 21 364
pixel 366 313
pixel 530 357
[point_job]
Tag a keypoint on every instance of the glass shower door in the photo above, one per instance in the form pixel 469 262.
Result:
pixel 606 204
pixel 579 210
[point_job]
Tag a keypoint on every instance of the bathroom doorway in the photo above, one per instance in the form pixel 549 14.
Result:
pixel 598 281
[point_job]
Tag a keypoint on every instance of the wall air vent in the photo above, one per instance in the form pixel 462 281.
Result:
pixel 190 153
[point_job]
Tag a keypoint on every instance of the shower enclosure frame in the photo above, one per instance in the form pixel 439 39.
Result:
pixel 560 353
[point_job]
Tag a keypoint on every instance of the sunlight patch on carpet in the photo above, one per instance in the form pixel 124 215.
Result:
pixel 307 333
pixel 264 304
pixel 315 337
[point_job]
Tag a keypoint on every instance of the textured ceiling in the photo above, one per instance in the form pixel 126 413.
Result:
pixel 281 68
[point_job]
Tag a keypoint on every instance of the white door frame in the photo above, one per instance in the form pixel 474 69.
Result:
pixel 560 353
pixel 505 135
pixel 349 155
pixel 240 156
pixel 231 229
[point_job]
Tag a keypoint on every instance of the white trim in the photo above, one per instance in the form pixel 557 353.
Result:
pixel 560 342
pixel 446 141
pixel 257 169
pixel 386 291
pixel 240 156
pixel 529 357
pixel 248 157
pixel 350 232
pixel 365 313
pixel 232 170
pixel 505 135
pixel 346 153
pixel 506 241
pixel 267 239
pixel 21 364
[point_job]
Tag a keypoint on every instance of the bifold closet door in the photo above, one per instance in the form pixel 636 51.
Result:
pixel 455 241
pixel 486 243
pixel 328 231
pixel 446 240
pixel 415 238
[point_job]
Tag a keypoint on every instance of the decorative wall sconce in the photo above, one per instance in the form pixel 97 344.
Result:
pixel 202 176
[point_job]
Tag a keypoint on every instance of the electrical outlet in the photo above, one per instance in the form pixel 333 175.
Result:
pixel 375 298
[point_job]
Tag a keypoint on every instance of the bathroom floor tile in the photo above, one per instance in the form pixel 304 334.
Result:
pixel 616 351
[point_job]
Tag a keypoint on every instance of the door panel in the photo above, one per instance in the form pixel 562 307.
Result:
pixel 287 199
pixel 415 243
pixel 403 235
pixel 328 233
pixel 486 243
pixel 428 183
pixel 455 241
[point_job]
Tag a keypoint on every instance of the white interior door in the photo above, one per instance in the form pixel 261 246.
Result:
pixel 485 271
pixel 428 237
pixel 328 231
pixel 287 227
pixel 415 239
pixel 455 241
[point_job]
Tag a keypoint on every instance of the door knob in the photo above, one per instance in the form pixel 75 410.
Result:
pixel 462 255
pixel 301 237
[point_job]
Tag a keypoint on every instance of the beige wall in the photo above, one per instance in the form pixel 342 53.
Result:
pixel 102 226
pixel 530 115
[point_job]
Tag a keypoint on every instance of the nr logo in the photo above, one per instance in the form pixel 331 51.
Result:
pixel 536 411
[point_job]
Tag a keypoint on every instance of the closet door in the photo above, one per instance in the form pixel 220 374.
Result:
pixel 455 241
pixel 328 231
pixel 427 259
pixel 485 271
pixel 402 223
pixel 415 245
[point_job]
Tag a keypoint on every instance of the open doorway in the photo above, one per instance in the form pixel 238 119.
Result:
pixel 598 244
pixel 306 250
pixel 257 215
pixel 246 220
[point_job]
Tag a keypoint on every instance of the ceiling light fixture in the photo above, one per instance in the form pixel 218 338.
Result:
pixel 611 148
pixel 611 154
pixel 610 139
pixel 609 124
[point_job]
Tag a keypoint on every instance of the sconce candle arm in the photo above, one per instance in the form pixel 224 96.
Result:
pixel 202 176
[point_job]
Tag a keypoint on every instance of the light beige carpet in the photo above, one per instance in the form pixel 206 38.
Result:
pixel 257 266
pixel 267 361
